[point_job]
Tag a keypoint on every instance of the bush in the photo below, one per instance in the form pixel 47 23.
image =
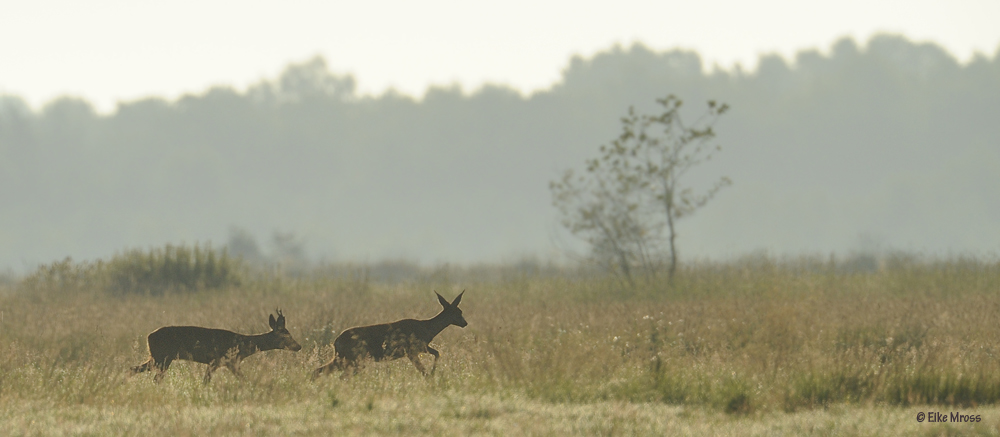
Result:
pixel 153 272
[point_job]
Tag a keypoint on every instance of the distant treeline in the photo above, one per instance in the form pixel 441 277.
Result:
pixel 894 141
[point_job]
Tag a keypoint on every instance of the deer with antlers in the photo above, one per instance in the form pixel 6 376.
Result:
pixel 215 347
pixel 390 341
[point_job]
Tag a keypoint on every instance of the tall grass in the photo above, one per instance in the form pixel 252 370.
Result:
pixel 755 335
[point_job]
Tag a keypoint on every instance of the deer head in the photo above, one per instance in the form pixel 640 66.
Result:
pixel 284 338
pixel 451 313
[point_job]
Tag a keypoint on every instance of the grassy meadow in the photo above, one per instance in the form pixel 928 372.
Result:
pixel 750 347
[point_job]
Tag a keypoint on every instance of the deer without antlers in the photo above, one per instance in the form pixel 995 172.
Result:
pixel 389 341
pixel 215 347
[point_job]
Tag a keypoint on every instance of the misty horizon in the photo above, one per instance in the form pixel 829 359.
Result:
pixel 886 146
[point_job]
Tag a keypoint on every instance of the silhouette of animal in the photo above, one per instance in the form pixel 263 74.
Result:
pixel 390 341
pixel 215 347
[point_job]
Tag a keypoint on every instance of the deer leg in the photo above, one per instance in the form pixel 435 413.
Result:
pixel 351 368
pixel 319 371
pixel 143 367
pixel 211 368
pixel 416 362
pixel 161 370
pixel 336 363
pixel 434 352
pixel 234 366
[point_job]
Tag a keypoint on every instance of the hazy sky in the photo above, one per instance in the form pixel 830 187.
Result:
pixel 110 50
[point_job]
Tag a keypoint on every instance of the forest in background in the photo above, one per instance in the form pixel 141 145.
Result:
pixel 887 145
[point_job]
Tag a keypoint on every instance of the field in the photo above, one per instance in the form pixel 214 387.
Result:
pixel 750 347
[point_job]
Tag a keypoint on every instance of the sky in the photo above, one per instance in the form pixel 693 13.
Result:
pixel 110 51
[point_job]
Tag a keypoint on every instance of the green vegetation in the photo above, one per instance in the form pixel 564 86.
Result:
pixel 753 346
pixel 153 272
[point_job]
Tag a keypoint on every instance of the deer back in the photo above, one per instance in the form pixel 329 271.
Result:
pixel 194 343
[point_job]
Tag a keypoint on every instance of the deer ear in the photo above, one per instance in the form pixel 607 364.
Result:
pixel 444 303
pixel 457 299
pixel 271 321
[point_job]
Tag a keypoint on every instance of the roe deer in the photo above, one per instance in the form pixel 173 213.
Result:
pixel 215 347
pixel 389 341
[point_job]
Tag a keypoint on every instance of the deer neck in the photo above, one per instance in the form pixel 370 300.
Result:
pixel 436 324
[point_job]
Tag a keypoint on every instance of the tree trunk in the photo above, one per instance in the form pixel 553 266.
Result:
pixel 623 262
pixel 673 249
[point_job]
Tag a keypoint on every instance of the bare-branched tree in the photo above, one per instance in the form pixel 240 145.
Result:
pixel 633 191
